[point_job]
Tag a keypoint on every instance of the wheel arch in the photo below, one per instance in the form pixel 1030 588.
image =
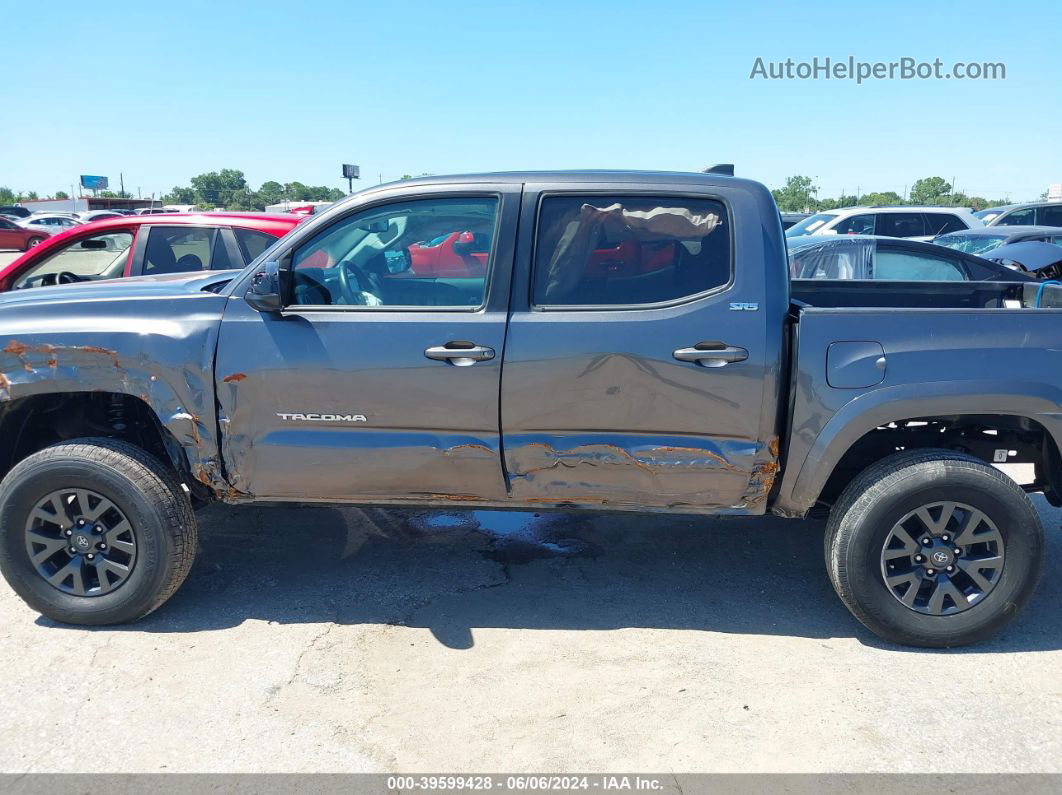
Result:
pixel 176 389
pixel 36 421
pixel 1033 407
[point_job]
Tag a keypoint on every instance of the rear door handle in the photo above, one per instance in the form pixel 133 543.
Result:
pixel 711 354
pixel 460 353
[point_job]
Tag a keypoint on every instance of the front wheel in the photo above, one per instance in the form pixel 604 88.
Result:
pixel 94 531
pixel 33 242
pixel 934 548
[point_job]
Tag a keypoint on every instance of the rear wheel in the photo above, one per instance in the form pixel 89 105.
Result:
pixel 33 242
pixel 94 531
pixel 934 548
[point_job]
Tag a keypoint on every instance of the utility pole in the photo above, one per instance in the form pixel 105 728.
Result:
pixel 121 184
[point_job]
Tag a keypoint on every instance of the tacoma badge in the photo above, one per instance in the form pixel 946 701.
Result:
pixel 321 417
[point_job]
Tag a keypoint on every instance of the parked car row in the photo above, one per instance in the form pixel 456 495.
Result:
pixel 920 223
pixel 1040 213
pixel 891 259
pixel 1000 243
pixel 19 213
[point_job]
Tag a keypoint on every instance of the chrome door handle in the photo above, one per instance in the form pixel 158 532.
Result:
pixel 711 354
pixel 460 354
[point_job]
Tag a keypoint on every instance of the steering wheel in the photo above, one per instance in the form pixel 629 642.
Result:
pixel 66 277
pixel 353 281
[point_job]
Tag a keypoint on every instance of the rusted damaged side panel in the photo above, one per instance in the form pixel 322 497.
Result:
pixel 153 343
pixel 653 471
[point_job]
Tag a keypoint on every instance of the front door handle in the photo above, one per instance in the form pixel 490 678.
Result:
pixel 460 353
pixel 711 354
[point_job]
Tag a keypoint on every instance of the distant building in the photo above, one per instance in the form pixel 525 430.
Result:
pixel 298 208
pixel 83 204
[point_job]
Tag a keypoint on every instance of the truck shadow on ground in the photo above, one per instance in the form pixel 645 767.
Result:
pixel 452 572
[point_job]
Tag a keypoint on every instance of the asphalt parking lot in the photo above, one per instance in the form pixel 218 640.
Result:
pixel 325 639
pixel 7 256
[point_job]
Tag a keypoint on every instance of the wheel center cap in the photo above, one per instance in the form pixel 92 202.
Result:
pixel 941 558
pixel 81 542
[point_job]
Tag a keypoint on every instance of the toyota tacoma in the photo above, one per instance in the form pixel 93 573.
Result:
pixel 684 373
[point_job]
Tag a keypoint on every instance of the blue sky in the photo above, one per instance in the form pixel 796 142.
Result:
pixel 289 90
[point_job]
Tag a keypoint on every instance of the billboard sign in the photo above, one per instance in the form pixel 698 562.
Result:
pixel 351 171
pixel 93 183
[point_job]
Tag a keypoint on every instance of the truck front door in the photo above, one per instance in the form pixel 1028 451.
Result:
pixel 647 377
pixel 374 382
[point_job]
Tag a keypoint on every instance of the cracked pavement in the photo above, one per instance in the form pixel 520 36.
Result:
pixel 327 639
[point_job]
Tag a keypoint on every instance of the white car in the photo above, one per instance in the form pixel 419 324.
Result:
pixel 97 215
pixel 917 223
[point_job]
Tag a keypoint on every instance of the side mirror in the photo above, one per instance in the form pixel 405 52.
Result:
pixel 463 244
pixel 264 293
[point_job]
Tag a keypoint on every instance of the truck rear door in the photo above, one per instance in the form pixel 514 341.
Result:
pixel 641 365
pixel 375 381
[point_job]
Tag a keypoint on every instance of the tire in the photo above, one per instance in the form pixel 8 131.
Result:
pixel 163 534
pixel 33 242
pixel 861 526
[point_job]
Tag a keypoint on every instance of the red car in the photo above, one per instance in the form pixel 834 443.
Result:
pixel 147 244
pixel 14 236
pixel 454 254
pixel 464 254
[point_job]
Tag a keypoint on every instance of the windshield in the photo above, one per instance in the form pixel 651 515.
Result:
pixel 810 224
pixel 971 244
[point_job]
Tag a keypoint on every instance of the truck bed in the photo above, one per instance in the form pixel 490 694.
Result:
pixel 922 295
pixel 866 354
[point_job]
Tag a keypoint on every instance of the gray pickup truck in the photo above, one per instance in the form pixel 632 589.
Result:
pixel 607 341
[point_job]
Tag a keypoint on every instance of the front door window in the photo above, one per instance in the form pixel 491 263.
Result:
pixel 100 256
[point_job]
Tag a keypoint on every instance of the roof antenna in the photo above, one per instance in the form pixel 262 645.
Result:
pixel 720 168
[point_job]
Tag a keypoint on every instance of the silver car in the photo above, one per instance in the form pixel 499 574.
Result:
pixel 54 223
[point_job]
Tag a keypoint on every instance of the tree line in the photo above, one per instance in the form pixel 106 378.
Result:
pixel 800 194
pixel 226 188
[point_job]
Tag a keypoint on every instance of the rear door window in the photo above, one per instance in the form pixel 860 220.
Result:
pixel 1051 216
pixel 177 249
pixel 901 225
pixel 856 225
pixel 941 223
pixel 898 265
pixel 1018 218
pixel 252 242
pixel 593 251
pixel 833 259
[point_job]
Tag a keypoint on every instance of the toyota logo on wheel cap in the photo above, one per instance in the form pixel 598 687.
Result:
pixel 82 542
pixel 940 557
